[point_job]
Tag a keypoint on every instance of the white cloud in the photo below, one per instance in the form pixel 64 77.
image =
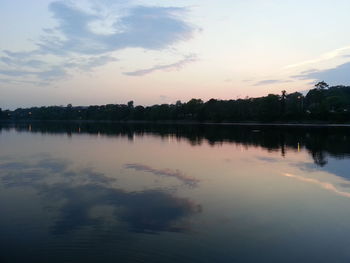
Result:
pixel 166 67
pixel 270 82
pixel 324 57
pixel 78 42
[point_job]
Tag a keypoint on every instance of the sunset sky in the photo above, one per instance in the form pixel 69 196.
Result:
pixel 99 52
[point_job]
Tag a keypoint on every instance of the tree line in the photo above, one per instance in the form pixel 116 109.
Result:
pixel 322 103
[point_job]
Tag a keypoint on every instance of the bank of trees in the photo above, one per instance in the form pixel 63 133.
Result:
pixel 323 103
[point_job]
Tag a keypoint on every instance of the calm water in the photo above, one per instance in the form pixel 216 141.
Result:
pixel 146 193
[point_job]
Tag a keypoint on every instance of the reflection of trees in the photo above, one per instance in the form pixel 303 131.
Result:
pixel 319 158
pixel 318 146
pixel 320 142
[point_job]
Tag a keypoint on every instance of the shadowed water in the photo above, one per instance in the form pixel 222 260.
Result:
pixel 92 192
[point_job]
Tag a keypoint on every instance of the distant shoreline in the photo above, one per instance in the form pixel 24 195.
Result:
pixel 269 124
pixel 322 106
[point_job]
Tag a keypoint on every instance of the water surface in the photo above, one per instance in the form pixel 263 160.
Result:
pixel 162 193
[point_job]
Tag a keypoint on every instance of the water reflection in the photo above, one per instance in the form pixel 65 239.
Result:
pixel 78 192
pixel 134 193
pixel 325 185
pixel 190 181
pixel 320 142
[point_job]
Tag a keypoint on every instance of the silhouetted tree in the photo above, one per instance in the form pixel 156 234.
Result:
pixel 131 104
pixel 321 85
pixel 283 102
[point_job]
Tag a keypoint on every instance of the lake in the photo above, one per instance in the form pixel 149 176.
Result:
pixel 103 192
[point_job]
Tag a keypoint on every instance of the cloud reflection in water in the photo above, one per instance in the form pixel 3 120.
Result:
pixel 164 172
pixel 324 185
pixel 74 194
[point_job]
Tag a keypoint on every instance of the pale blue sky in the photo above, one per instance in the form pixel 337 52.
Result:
pixel 98 52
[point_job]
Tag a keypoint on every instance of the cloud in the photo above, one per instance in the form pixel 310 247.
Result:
pixel 168 67
pixel 87 64
pixel 29 82
pixel 270 81
pixel 339 52
pixel 16 73
pixel 20 54
pixel 334 76
pixel 163 172
pixel 77 43
pixel 46 75
pixel 143 27
pixel 52 74
pixel 33 63
pixel 308 71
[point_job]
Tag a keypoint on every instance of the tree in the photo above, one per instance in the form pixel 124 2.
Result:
pixel 131 104
pixel 269 107
pixel 178 103
pixel 283 102
pixel 193 107
pixel 321 85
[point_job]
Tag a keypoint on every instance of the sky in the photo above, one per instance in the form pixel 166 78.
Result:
pixel 92 52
